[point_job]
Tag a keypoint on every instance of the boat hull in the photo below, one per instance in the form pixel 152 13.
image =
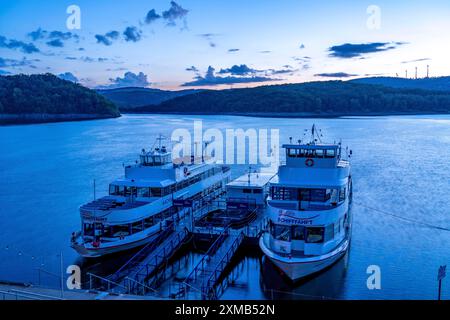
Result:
pixel 88 252
pixel 298 268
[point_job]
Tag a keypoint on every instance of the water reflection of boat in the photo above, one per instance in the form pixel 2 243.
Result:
pixel 327 284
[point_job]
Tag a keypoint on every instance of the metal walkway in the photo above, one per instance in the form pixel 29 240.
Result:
pixel 201 283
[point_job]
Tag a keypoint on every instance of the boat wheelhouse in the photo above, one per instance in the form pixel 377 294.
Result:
pixel 309 208
pixel 140 204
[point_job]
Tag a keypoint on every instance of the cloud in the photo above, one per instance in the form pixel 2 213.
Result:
pixel 38 34
pixel 238 70
pixel 152 16
pixel 108 38
pixel 68 76
pixel 416 60
pixel 210 79
pixel 192 68
pixel 90 59
pixel 210 38
pixel 12 63
pixel 4 73
pixel 233 50
pixel 57 43
pixel 287 69
pixel 129 79
pixel 335 75
pixel 349 50
pixel 265 51
pixel 56 38
pixel 18 45
pixel 174 13
pixel 132 34
pixel 62 35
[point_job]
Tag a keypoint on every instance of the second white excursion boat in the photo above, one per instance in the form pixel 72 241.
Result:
pixel 139 205
pixel 309 208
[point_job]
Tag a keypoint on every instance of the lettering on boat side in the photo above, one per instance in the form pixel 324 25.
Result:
pixel 286 218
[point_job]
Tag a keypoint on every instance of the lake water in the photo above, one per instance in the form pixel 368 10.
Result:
pixel 401 166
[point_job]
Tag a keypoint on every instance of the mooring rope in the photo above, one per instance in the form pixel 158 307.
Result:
pixel 428 225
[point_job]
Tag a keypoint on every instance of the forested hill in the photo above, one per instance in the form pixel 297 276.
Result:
pixel 330 98
pixel 436 83
pixel 130 98
pixel 46 94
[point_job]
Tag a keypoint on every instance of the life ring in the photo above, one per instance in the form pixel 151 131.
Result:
pixel 309 162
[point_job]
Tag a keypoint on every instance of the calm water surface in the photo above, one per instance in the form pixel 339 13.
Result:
pixel 401 165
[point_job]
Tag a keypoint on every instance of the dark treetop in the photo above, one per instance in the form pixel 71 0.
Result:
pixel 313 98
pixel 47 94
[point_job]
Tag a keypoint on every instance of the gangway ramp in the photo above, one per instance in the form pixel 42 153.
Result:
pixel 130 278
pixel 202 281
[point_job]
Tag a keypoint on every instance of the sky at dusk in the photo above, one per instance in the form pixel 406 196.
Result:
pixel 221 44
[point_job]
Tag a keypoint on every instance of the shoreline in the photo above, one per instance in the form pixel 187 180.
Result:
pixel 40 118
pixel 298 115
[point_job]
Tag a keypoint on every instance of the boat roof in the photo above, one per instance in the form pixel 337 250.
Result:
pixel 142 183
pixel 257 180
pixel 320 146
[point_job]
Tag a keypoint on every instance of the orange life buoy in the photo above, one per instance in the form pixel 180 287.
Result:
pixel 309 162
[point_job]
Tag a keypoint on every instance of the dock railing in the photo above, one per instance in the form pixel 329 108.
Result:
pixel 202 263
pixel 107 284
pixel 209 288
pixel 142 254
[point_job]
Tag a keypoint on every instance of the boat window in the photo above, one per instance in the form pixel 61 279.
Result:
pixel 148 222
pixel 329 232
pixel 88 229
pixel 120 231
pixel 298 233
pixel 155 192
pixel 314 234
pixel 342 194
pixel 136 227
pixel 330 153
pixel 246 190
pixel 281 232
pixel 257 191
pixel 292 152
pixel 319 153
pixel 319 195
pixel 143 192
pixel 116 190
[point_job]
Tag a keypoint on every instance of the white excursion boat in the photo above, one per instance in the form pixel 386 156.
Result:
pixel 309 208
pixel 140 205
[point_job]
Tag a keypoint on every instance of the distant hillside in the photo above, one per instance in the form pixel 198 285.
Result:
pixel 330 98
pixel 129 98
pixel 440 83
pixel 46 98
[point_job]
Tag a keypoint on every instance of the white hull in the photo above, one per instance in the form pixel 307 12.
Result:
pixel 110 249
pixel 296 268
